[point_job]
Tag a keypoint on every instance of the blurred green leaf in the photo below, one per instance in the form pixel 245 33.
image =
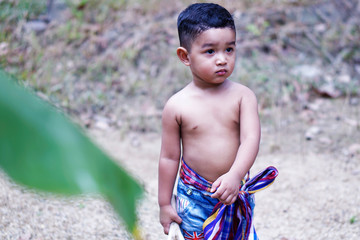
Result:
pixel 253 29
pixel 41 148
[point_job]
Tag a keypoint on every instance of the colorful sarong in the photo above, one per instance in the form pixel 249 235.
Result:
pixel 230 221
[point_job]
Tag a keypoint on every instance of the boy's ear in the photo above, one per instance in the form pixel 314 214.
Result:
pixel 183 55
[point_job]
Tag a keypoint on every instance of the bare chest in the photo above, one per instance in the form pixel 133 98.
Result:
pixel 210 116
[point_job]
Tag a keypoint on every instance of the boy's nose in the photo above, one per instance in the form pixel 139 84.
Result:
pixel 221 60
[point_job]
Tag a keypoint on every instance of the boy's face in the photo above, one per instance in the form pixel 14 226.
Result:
pixel 212 56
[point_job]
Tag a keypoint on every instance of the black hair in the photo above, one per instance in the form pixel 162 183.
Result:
pixel 200 17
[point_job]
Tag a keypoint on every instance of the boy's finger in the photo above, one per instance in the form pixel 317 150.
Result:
pixel 178 219
pixel 166 229
pixel 215 195
pixel 215 185
pixel 218 193
pixel 229 200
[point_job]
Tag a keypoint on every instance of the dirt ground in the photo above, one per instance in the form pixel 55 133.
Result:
pixel 316 195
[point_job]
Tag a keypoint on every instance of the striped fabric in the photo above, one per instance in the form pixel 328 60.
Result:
pixel 192 178
pixel 234 221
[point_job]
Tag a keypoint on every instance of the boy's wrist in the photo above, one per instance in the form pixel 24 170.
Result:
pixel 164 204
pixel 236 174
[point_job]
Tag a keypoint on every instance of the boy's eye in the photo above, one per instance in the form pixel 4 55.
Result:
pixel 210 51
pixel 229 50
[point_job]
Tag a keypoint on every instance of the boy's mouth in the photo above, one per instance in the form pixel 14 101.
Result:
pixel 221 72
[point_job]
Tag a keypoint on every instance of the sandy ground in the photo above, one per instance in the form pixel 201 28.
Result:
pixel 316 195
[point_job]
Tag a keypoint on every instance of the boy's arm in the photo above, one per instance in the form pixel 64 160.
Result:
pixel 226 187
pixel 168 166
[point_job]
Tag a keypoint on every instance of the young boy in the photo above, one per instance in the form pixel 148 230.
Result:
pixel 211 125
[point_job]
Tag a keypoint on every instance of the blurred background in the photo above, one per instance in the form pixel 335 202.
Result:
pixel 113 62
pixel 111 65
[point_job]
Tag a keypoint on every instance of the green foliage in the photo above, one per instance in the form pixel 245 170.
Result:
pixel 253 29
pixel 353 220
pixel 41 148
pixel 12 10
pixel 94 10
pixel 71 31
pixel 257 30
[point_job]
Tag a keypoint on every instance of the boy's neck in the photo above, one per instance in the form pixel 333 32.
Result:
pixel 210 87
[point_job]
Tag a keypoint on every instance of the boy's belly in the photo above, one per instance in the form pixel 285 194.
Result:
pixel 210 159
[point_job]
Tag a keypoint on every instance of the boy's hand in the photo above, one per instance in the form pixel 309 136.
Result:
pixel 167 216
pixel 226 188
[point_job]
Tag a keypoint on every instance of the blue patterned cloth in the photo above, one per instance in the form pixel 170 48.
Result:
pixel 224 222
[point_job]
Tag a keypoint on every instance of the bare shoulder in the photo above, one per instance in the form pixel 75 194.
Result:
pixel 243 92
pixel 173 105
